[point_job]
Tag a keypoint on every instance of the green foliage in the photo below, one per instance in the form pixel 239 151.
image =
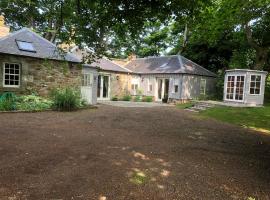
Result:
pixel 114 98
pixel 8 101
pixel 147 99
pixel 219 85
pixel 127 98
pixel 138 98
pixel 33 103
pixel 267 91
pixel 66 99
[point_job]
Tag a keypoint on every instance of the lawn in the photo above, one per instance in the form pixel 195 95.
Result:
pixel 255 118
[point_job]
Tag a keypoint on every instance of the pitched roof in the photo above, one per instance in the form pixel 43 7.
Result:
pixel 168 65
pixel 107 65
pixel 43 48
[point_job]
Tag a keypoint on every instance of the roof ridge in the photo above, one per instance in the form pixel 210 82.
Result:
pixel 117 64
pixel 168 56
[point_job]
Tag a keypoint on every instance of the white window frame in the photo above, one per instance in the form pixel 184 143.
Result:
pixel 86 80
pixel 4 73
pixel 204 86
pixel 226 82
pixel 255 84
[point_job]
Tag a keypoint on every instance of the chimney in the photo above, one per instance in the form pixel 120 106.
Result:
pixel 132 56
pixel 4 30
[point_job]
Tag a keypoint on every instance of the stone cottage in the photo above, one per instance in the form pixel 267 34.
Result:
pixel 29 63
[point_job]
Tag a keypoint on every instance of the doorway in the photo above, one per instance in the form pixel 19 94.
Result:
pixel 103 88
pixel 163 88
pixel 235 88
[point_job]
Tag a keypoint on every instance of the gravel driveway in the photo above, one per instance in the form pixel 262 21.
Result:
pixel 130 153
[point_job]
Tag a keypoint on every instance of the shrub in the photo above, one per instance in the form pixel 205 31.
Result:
pixel 127 98
pixel 115 98
pixel 148 99
pixel 66 99
pixel 8 101
pixel 138 98
pixel 33 103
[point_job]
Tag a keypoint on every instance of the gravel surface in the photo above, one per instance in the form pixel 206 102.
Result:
pixel 130 153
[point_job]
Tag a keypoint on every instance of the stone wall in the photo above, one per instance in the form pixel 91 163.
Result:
pixel 40 76
pixel 120 84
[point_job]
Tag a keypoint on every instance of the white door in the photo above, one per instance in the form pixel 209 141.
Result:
pixel 235 88
pixel 103 89
pixel 87 88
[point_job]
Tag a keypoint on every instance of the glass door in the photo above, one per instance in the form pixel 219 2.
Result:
pixel 160 84
pixel 103 88
pixel 235 88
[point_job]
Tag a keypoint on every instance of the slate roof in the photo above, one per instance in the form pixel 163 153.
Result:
pixel 175 64
pixel 44 48
pixel 107 65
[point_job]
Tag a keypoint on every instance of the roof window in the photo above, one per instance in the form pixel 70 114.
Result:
pixel 25 46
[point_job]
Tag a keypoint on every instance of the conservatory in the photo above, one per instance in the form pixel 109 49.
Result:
pixel 244 86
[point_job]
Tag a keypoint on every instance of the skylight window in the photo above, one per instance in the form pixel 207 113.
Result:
pixel 25 46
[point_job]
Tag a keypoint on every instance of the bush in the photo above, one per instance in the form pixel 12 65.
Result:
pixel 8 101
pixel 33 103
pixel 127 98
pixel 148 99
pixel 115 98
pixel 66 99
pixel 138 98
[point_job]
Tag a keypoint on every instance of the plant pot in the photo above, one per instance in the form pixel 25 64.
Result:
pixel 164 100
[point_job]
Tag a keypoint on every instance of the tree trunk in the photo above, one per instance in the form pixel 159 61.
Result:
pixel 261 58
pixel 261 52
pixel 185 40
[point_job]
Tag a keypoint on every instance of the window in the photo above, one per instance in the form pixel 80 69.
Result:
pixel 86 80
pixel 239 89
pixel 255 84
pixel 150 86
pixel 175 88
pixel 134 87
pixel 175 85
pixel 202 86
pixel 11 75
pixel 25 46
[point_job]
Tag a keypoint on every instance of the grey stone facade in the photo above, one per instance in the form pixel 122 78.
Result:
pixel 39 75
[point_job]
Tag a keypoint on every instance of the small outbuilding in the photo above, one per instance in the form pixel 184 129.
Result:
pixel 244 86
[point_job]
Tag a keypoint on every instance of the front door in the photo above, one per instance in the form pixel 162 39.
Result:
pixel 163 88
pixel 235 88
pixel 103 87
pixel 87 88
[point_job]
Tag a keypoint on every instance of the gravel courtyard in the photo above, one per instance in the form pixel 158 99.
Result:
pixel 130 153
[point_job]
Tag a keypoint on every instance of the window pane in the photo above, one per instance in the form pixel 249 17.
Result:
pixel 257 91
pixel 253 78
pixel 25 46
pixel 258 78
pixel 252 84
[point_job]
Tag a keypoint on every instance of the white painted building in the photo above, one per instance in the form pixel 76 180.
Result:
pixel 244 86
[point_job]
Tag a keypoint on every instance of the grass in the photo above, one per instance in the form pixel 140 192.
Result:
pixel 254 118
pixel 184 105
